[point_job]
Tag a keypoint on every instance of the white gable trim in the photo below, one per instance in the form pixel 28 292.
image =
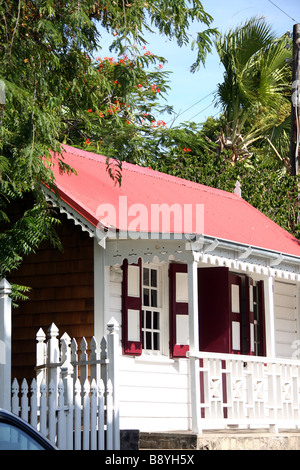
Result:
pixel 208 250
pixel 71 213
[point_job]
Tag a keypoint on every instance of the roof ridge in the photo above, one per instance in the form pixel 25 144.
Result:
pixel 84 153
pixel 150 172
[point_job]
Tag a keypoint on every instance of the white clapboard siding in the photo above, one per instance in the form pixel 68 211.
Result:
pixel 156 393
pixel 153 395
pixel 170 424
pixel 286 320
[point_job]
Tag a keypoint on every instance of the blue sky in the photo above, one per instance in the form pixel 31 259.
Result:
pixel 191 95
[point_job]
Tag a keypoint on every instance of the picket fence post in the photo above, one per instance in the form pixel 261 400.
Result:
pixel 41 357
pixel 67 371
pixel 5 345
pixel 101 439
pixel 53 358
pixel 113 376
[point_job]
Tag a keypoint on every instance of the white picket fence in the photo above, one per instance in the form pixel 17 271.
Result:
pixel 74 399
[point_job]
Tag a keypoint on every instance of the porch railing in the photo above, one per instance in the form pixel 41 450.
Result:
pixel 244 392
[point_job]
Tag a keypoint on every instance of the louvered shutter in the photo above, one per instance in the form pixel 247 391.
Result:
pixel 179 312
pixel 132 308
pixel 238 320
pixel 250 335
pixel 261 318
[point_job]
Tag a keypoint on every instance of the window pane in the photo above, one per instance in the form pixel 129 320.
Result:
pixel 148 319
pixel 154 298
pixel 155 320
pixel 156 341
pixel 151 320
pixel 148 340
pixel 146 297
pixel 153 278
pixel 146 277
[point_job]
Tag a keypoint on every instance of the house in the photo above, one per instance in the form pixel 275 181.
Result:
pixel 205 289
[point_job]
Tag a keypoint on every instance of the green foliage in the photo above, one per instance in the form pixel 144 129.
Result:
pixel 195 154
pixel 57 92
pixel 255 93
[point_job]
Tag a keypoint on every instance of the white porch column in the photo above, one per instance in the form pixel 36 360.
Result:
pixel 100 294
pixel 194 344
pixel 270 316
pixel 5 345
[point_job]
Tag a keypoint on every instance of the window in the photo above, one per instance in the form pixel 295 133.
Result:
pixel 151 309
pixel 143 323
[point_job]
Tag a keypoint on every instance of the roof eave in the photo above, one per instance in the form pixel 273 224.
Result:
pixel 205 244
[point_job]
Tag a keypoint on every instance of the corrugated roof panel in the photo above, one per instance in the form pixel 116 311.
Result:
pixel 226 215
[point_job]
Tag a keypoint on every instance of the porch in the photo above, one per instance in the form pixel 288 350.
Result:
pixel 246 403
pixel 205 393
pixel 232 394
pixel 245 392
pixel 237 401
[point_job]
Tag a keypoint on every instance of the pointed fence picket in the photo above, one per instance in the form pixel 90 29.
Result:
pixel 74 399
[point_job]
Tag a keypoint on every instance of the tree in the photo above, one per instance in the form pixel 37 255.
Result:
pixel 255 93
pixel 256 103
pixel 192 152
pixel 56 92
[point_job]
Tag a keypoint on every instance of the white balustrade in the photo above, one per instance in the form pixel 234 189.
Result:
pixel 247 391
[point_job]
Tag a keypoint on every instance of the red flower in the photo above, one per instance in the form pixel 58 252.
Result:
pixel 89 110
pixel 155 89
pixel 87 141
pixel 186 149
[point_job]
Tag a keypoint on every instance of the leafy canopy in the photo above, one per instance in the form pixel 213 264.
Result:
pixel 57 90
pixel 255 92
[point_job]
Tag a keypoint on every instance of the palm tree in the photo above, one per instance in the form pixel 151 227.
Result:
pixel 255 93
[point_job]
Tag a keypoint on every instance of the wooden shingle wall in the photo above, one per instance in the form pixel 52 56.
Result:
pixel 62 291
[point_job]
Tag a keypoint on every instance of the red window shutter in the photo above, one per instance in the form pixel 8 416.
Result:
pixel 179 312
pixel 214 310
pixel 238 315
pixel 262 325
pixel 250 334
pixel 132 308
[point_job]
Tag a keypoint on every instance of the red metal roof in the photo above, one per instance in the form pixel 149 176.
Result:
pixel 226 215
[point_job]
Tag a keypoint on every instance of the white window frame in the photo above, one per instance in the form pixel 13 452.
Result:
pixel 161 309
